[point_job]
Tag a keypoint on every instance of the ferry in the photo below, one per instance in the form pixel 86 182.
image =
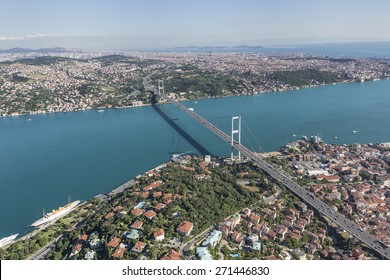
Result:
pixel 6 240
pixel 55 214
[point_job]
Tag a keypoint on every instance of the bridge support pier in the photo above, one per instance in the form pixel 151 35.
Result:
pixel 236 120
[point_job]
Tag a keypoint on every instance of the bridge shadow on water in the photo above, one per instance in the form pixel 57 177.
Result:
pixel 199 147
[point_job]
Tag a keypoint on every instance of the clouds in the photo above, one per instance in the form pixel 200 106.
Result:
pixel 24 38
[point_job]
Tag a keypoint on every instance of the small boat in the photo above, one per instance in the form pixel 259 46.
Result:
pixel 335 137
pixel 196 102
pixel 354 131
pixel 100 111
pixel 294 135
pixel 29 120
pixel 191 109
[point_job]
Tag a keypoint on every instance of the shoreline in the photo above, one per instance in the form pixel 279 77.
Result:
pixel 195 99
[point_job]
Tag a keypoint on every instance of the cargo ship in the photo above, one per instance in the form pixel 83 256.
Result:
pixel 6 240
pixel 55 214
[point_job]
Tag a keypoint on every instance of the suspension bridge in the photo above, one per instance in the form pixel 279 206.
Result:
pixel 279 175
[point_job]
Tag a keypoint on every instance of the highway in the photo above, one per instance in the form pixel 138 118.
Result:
pixel 284 178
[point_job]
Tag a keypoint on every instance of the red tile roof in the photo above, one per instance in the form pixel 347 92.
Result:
pixel 117 208
pixel 137 224
pixel 153 186
pixel 185 227
pixel 139 247
pixel 77 248
pixel 172 255
pixel 159 232
pixel 160 206
pixel 157 194
pixel 137 212
pixel 109 215
pixel 114 242
pixel 84 237
pixel 119 252
pixel 150 214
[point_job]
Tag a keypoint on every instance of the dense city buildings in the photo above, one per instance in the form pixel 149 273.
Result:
pixel 69 81
pixel 354 179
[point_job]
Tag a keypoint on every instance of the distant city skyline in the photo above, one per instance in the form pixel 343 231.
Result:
pixel 121 24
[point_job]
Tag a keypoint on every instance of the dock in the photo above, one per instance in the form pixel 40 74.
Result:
pixel 123 187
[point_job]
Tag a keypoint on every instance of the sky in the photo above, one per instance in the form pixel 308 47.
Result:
pixel 133 24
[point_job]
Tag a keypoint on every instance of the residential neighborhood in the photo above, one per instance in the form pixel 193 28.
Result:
pixel 168 213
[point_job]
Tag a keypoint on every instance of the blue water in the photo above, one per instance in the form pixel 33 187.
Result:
pixel 82 154
pixel 139 205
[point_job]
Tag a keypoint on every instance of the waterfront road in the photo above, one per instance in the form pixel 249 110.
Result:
pixel 283 177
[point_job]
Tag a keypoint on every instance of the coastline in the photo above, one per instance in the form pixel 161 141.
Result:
pixel 195 99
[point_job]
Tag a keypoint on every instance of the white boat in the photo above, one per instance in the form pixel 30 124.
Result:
pixel 354 131
pixel 55 214
pixel 100 111
pixel 294 135
pixel 191 109
pixel 6 240
pixel 335 137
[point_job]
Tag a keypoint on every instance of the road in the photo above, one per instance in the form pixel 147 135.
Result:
pixel 41 253
pixel 186 246
pixel 284 178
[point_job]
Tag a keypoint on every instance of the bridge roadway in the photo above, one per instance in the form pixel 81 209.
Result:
pixel 307 196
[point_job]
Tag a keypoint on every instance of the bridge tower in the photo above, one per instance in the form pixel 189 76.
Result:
pixel 236 121
pixel 161 89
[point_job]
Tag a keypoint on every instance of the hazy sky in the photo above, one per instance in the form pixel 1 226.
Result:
pixel 167 23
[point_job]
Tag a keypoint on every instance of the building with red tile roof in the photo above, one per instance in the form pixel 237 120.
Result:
pixel 119 252
pixel 145 194
pixel 358 253
pixel 137 224
pixel 117 208
pixel 153 186
pixel 137 211
pixel 160 206
pixel 83 238
pixel 114 242
pixel 159 234
pixel 172 255
pixel 254 218
pixel 185 228
pixel 150 214
pixel 157 194
pixel 77 248
pixel 138 247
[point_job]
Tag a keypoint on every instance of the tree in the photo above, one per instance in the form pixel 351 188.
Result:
pixel 57 256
